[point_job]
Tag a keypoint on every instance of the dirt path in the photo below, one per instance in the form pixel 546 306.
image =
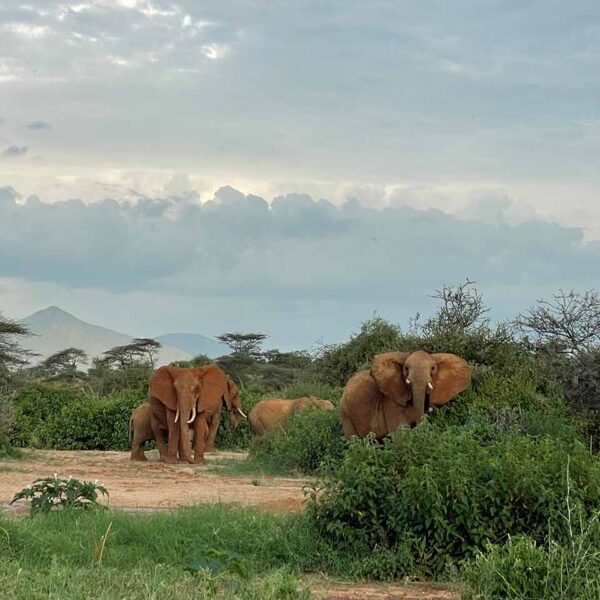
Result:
pixel 381 591
pixel 153 485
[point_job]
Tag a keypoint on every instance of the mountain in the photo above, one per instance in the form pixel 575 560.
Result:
pixel 55 329
pixel 194 343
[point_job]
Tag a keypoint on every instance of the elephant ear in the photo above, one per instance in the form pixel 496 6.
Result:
pixel 232 392
pixel 161 387
pixel 453 376
pixel 387 373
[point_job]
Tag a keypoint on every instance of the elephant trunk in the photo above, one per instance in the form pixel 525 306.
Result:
pixel 186 416
pixel 420 397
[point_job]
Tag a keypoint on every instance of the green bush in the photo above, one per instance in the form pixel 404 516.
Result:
pixel 447 495
pixel 306 440
pixel 93 424
pixel 35 407
pixel 522 569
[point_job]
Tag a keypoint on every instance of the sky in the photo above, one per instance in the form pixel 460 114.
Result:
pixel 295 167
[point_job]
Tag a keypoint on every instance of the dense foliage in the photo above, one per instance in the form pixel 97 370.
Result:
pixel 440 495
pixel 499 488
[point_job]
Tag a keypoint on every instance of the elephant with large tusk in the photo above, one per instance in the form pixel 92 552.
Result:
pixel 190 396
pixel 400 389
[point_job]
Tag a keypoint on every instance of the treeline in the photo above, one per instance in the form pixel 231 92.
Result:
pixel 555 344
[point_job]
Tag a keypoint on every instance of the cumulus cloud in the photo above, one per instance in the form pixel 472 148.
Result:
pixel 293 248
pixel 14 151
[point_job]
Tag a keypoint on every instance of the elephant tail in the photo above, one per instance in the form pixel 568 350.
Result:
pixel 130 428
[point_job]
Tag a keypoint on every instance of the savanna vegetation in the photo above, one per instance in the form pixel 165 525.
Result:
pixel 499 491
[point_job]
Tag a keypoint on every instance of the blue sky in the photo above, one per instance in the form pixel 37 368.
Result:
pixel 407 145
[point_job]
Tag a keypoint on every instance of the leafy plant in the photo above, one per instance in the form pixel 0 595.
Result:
pixel 217 561
pixel 56 492
pixel 447 495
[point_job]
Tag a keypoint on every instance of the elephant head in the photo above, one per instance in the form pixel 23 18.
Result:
pixel 420 379
pixel 178 389
pixel 234 404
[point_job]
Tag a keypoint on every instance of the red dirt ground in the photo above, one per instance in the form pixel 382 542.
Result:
pixel 153 485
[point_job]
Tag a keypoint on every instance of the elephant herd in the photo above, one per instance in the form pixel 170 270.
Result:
pixel 185 403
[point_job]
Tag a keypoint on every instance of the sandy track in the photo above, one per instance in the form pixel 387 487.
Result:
pixel 153 485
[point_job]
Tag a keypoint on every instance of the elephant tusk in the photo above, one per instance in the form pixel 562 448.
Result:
pixel 407 381
pixel 430 385
pixel 191 420
pixel 241 412
pixel 177 415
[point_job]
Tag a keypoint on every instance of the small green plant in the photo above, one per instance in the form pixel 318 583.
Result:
pixel 217 561
pixel 57 492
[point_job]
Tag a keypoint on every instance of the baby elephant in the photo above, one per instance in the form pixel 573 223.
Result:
pixel 140 425
pixel 272 411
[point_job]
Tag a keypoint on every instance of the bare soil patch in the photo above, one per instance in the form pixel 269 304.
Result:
pixel 154 485
pixel 381 591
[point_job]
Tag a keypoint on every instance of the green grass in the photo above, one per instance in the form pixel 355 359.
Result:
pixel 11 469
pixel 250 466
pixel 149 556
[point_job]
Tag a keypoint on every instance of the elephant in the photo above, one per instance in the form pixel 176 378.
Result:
pixel 272 411
pixel 400 389
pixel 217 390
pixel 140 426
pixel 236 405
pixel 190 395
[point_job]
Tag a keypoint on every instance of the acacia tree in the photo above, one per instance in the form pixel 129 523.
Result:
pixel 571 321
pixel 12 356
pixel 64 362
pixel 244 343
pixel 139 350
pixel 11 353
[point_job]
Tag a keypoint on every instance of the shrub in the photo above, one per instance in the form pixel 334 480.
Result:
pixel 56 492
pixel 35 406
pixel 93 424
pixel 447 495
pixel 306 440
pixel 338 363
pixel 522 569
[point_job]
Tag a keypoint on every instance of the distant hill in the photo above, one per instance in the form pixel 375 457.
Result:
pixel 194 343
pixel 56 329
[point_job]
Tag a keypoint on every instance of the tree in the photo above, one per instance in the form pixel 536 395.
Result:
pixel 461 310
pixel 139 350
pixel 64 362
pixel 147 347
pixel 11 353
pixel 571 320
pixel 244 343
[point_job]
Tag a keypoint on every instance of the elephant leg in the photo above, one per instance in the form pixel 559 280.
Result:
pixel 348 426
pixel 200 439
pixel 159 438
pixel 137 447
pixel 173 441
pixel 212 433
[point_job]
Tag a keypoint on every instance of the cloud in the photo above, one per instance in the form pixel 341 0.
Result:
pixel 293 248
pixel 298 268
pixel 39 125
pixel 14 151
